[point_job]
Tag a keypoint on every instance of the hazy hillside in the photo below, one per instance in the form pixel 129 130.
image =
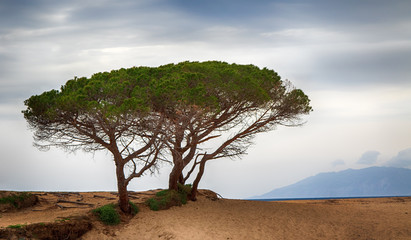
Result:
pixel 373 181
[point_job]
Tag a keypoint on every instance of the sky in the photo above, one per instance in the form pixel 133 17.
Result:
pixel 352 58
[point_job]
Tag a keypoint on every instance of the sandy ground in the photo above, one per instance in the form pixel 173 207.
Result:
pixel 381 218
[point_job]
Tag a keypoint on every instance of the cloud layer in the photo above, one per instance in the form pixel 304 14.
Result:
pixel 347 43
pixel 352 58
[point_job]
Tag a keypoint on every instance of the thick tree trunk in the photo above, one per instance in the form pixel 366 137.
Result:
pixel 193 195
pixel 122 190
pixel 175 175
pixel 176 172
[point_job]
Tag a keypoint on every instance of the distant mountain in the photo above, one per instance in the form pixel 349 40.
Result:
pixel 373 181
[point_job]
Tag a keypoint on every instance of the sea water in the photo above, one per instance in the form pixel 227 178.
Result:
pixel 319 198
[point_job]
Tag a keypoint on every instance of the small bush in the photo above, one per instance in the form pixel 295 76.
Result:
pixel 186 189
pixel 108 214
pixel 168 198
pixel 153 204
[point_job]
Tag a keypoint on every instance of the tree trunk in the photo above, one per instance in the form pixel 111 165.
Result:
pixel 181 179
pixel 193 196
pixel 175 175
pixel 176 172
pixel 122 190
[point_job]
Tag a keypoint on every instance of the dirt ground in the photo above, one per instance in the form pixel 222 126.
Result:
pixel 369 218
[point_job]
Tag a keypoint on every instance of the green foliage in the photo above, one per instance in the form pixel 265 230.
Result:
pixel 15 199
pixel 168 198
pixel 17 226
pixel 109 94
pixel 210 85
pixel 162 193
pixel 108 214
pixel 154 204
pixel 184 189
pixel 134 208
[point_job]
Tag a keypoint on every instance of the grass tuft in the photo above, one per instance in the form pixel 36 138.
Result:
pixel 108 214
pixel 168 198
pixel 17 226
pixel 162 193
pixel 134 208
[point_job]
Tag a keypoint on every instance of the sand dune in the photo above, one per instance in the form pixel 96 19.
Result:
pixel 382 218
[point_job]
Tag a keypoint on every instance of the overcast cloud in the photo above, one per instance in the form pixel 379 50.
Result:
pixel 351 57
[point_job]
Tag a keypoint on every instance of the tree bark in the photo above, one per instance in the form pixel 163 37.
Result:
pixel 175 175
pixel 122 189
pixel 181 179
pixel 194 188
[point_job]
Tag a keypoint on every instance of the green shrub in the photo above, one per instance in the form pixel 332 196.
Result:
pixel 168 198
pixel 153 204
pixel 15 199
pixel 134 208
pixel 185 189
pixel 162 193
pixel 108 214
